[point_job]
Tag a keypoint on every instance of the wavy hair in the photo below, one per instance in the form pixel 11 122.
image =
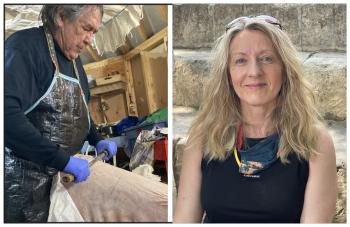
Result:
pixel 295 116
pixel 50 13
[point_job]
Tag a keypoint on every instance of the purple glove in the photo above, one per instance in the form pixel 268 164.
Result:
pixel 79 168
pixel 108 145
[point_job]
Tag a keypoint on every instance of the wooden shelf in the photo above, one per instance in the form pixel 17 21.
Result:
pixel 114 87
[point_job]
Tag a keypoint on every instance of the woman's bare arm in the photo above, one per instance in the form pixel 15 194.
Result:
pixel 321 189
pixel 188 206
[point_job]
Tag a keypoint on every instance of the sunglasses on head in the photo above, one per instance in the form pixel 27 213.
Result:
pixel 266 18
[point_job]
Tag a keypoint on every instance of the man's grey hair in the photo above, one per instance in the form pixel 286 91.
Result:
pixel 50 13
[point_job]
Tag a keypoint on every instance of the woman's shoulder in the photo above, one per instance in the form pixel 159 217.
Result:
pixel 324 143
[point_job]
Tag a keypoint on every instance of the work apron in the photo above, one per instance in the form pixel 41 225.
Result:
pixel 61 115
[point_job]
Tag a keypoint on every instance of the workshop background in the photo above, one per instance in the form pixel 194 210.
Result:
pixel 127 73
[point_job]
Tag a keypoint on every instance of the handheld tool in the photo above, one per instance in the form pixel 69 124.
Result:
pixel 68 178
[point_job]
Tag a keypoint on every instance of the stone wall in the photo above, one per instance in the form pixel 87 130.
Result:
pixel 312 27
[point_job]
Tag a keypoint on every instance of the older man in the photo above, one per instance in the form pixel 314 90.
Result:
pixel 46 114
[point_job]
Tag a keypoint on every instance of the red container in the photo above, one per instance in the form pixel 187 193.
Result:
pixel 161 151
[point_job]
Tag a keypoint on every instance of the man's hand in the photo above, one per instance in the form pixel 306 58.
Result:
pixel 108 145
pixel 79 168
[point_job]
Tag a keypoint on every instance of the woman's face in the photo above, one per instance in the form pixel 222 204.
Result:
pixel 255 68
pixel 73 37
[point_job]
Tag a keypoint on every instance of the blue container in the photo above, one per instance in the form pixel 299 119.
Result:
pixel 125 123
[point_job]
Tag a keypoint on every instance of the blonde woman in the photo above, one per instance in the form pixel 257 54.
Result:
pixel 257 151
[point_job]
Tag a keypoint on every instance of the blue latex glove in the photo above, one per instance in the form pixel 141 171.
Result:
pixel 108 145
pixel 79 168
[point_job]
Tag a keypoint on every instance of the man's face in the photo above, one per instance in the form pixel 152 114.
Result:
pixel 73 37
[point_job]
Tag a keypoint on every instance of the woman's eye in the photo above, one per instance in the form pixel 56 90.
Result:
pixel 265 59
pixel 240 61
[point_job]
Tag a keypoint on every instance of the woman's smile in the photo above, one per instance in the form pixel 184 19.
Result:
pixel 255 86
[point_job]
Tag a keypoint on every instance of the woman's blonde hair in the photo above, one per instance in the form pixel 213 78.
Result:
pixel 295 116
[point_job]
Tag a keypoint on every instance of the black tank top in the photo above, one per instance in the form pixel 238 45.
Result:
pixel 276 195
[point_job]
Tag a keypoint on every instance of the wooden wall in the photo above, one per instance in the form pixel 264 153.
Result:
pixel 141 87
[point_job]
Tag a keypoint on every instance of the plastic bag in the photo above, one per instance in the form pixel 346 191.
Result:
pixel 143 152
